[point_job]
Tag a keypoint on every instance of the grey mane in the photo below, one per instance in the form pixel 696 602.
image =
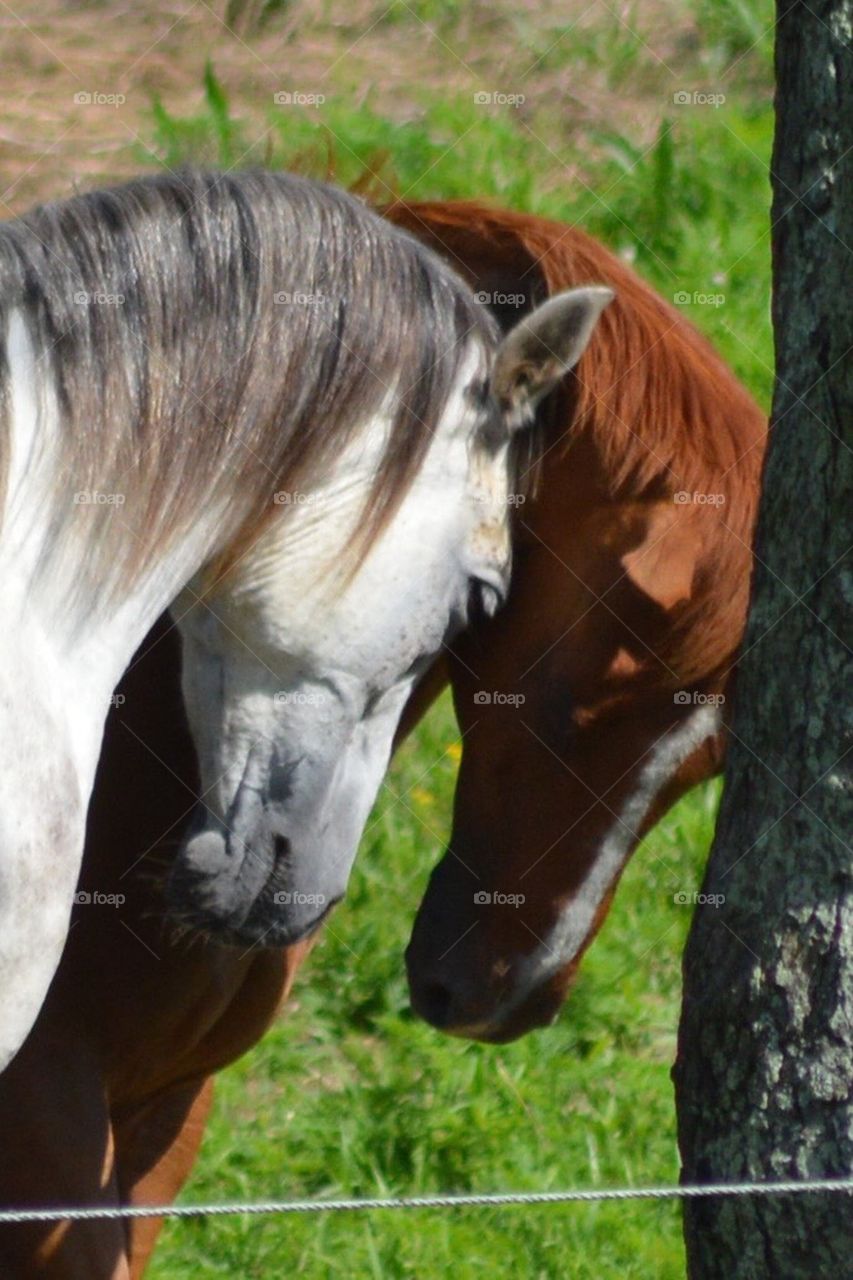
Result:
pixel 155 309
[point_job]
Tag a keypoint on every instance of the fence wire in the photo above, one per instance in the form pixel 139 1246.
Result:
pixel 450 1201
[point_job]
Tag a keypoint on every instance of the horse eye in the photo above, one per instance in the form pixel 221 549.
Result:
pixel 484 600
pixel 478 392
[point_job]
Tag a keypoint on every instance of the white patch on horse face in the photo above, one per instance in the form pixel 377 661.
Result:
pixel 318 669
pixel 569 934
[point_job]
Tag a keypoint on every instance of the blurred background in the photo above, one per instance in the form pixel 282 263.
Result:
pixel 649 124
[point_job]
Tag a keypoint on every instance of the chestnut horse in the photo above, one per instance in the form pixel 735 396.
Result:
pixel 106 1102
pixel 595 699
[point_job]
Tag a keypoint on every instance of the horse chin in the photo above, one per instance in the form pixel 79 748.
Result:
pixel 539 1008
pixel 537 1013
pixel 263 927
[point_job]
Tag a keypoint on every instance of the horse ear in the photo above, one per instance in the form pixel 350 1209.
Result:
pixel 663 561
pixel 542 348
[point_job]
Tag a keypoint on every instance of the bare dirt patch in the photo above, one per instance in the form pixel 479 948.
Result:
pixel 78 79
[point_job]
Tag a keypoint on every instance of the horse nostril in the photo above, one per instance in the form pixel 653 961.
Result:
pixel 280 847
pixel 434 1003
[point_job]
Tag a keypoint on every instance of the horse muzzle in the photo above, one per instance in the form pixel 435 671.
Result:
pixel 467 981
pixel 242 889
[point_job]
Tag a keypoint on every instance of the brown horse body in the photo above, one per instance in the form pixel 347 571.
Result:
pixel 620 597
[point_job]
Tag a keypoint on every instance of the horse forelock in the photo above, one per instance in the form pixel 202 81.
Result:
pixel 214 339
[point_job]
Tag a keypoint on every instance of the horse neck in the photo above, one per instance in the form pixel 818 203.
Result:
pixel 65 643
pixel 662 415
pixel 697 634
pixel 62 652
pixel 75 656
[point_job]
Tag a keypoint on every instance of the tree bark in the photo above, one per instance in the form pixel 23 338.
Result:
pixel 765 1060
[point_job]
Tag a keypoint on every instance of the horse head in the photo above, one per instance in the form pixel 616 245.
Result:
pixel 296 678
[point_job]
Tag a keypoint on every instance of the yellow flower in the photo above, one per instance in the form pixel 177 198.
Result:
pixel 421 796
pixel 455 751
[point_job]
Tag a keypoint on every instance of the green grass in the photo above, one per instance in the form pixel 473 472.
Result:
pixel 348 1094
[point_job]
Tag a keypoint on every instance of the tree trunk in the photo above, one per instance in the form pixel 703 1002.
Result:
pixel 765 1059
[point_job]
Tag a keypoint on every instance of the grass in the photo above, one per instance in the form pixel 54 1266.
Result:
pixel 348 1094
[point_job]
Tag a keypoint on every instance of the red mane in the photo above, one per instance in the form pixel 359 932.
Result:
pixel 664 411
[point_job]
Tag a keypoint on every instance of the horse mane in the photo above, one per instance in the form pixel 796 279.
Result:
pixel 216 337
pixel 664 410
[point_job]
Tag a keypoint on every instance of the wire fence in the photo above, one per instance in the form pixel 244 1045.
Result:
pixel 461 1201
